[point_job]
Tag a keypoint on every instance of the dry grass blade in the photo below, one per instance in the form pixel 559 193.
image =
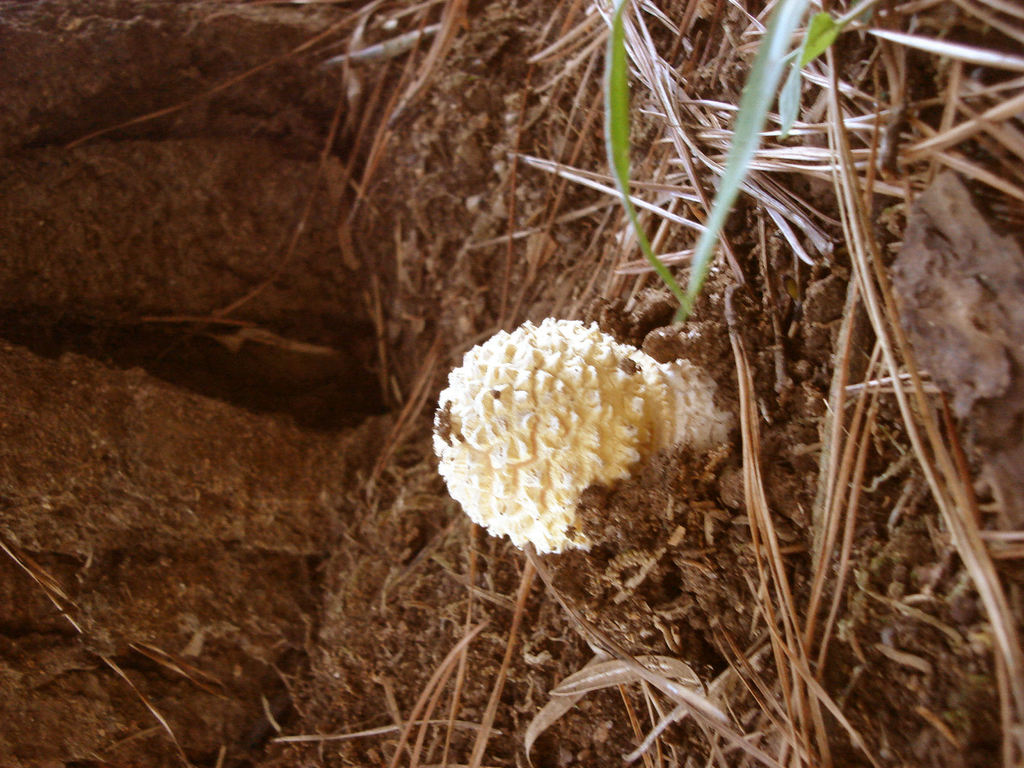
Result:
pixel 634 721
pixel 53 589
pixel 434 684
pixel 1005 6
pixel 600 673
pixel 973 171
pixel 152 709
pixel 837 459
pixel 994 21
pixel 970 54
pixel 550 713
pixel 316 738
pixel 947 486
pixel 865 428
pixel 460 673
pixel 583 180
pixel 233 81
pixel 576 36
pixel 435 697
pixel 790 654
pixel 412 407
pixel 482 736
pixel 605 674
pixel 396 46
pixel 965 130
pixel 547 716
pixel 198 677
pixel 664 722
pixel 1008 136
pixel 705 712
pixel 452 18
pixel 596 637
pixel 56 595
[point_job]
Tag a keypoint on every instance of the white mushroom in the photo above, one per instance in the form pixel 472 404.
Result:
pixel 535 416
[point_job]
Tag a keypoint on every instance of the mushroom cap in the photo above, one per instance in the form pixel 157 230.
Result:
pixel 533 417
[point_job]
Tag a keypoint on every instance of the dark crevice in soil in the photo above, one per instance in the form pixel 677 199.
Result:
pixel 320 387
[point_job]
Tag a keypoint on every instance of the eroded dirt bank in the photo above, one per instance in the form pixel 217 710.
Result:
pixel 222 328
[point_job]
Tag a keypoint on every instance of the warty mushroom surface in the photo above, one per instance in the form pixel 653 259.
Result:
pixel 533 417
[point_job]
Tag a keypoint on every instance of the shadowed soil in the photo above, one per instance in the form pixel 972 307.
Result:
pixel 222 528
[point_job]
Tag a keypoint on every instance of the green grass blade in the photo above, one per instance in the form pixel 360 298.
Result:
pixel 821 33
pixel 616 136
pixel 789 99
pixel 758 96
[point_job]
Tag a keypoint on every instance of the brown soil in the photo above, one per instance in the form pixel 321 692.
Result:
pixel 219 526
